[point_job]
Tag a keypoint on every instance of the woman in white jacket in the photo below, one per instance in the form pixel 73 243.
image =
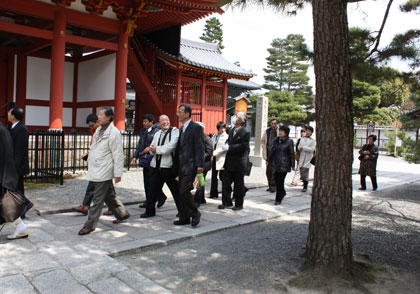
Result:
pixel 218 160
pixel 105 163
pixel 306 152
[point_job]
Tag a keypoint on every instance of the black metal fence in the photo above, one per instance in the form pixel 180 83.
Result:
pixel 51 153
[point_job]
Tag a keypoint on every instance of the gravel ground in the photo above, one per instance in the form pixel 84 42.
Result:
pixel 260 258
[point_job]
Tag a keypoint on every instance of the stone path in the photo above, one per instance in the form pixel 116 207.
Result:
pixel 54 259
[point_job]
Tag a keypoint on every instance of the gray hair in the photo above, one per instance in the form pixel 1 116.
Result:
pixel 241 116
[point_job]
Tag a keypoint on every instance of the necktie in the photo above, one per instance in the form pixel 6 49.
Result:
pixel 181 133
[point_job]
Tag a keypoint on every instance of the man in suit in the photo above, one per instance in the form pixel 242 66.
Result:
pixel 142 152
pixel 190 162
pixel 236 162
pixel 19 134
pixel 208 152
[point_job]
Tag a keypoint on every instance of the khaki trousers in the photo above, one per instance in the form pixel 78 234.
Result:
pixel 104 192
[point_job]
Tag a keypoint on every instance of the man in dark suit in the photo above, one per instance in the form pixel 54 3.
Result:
pixel 237 157
pixel 19 134
pixel 208 152
pixel 190 161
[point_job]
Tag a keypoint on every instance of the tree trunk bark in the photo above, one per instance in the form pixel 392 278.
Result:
pixel 329 244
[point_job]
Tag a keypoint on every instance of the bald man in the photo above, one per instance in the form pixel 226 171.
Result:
pixel 162 147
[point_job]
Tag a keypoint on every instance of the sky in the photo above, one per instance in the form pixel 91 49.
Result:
pixel 249 32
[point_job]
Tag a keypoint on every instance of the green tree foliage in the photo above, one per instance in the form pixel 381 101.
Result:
pixel 285 108
pixel 393 93
pixel 411 5
pixel 413 152
pixel 406 142
pixel 287 66
pixel 213 32
pixel 366 99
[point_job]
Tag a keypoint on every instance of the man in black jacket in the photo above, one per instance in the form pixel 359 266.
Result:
pixel 142 152
pixel 236 162
pixel 9 178
pixel 208 152
pixel 190 161
pixel 19 134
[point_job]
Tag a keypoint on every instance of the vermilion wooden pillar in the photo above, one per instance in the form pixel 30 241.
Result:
pixel 58 52
pixel 225 93
pixel 178 94
pixel 121 80
pixel 22 61
pixel 203 94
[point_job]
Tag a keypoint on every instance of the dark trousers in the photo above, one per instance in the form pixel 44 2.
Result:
pixel 87 200
pixel 21 192
pixel 271 178
pixel 147 175
pixel 187 207
pixel 199 192
pixel 281 192
pixel 363 182
pixel 238 191
pixel 214 183
pixel 158 179
pixel 104 192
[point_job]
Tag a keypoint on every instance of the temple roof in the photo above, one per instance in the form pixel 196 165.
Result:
pixel 246 85
pixel 207 56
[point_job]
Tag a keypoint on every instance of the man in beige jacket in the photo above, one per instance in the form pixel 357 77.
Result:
pixel 105 163
pixel 267 142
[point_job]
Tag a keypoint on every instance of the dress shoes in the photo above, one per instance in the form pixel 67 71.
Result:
pixel 181 223
pixel 214 197
pixel 120 220
pixel 268 190
pixel 277 203
pixel 143 205
pixel 146 215
pixel 195 220
pixel 85 231
pixel 362 189
pixel 221 206
pixel 161 202
pixel 82 209
pixel 108 212
pixel 374 189
pixel 237 208
pixel 303 190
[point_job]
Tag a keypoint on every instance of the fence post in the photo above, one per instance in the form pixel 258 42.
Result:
pixel 36 155
pixel 74 151
pixel 62 158
pixel 129 151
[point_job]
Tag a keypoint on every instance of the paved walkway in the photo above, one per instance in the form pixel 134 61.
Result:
pixel 54 259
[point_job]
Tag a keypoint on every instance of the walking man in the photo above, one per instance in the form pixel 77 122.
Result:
pixel 105 163
pixel 306 149
pixel 19 133
pixel 236 162
pixel 92 122
pixel 190 162
pixel 162 147
pixel 267 140
pixel 142 153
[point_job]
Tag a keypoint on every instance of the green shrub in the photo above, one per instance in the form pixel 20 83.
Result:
pixel 406 141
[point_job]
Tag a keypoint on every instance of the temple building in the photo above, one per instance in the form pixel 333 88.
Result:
pixel 62 59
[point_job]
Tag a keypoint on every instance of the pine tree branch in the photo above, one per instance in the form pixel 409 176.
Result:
pixel 378 37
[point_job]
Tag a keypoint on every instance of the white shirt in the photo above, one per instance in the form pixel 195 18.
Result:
pixel 185 125
pixel 14 125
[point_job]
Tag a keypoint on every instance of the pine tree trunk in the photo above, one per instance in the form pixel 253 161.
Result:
pixel 329 244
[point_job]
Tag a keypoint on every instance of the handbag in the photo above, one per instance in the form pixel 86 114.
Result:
pixel 12 206
pixel 145 159
pixel 248 168
pixel 313 160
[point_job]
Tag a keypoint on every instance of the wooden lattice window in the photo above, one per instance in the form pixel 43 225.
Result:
pixel 190 92
pixel 214 95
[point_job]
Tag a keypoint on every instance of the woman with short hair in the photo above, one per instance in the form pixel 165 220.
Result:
pixel 282 160
pixel 368 159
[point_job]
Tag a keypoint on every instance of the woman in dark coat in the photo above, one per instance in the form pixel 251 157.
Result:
pixel 282 160
pixel 9 178
pixel 368 159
